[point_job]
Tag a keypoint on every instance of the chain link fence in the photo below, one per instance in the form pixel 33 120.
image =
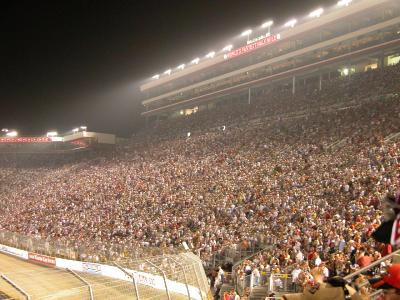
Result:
pixel 171 275
pixel 82 250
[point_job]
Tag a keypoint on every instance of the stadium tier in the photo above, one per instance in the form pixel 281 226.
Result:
pixel 339 42
pixel 288 178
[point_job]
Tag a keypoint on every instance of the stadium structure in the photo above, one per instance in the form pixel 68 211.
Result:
pixel 352 37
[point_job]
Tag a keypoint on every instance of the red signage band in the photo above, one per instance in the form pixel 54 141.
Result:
pixel 25 140
pixel 250 47
pixel 48 260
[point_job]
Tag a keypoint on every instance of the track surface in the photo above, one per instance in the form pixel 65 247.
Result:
pixel 42 282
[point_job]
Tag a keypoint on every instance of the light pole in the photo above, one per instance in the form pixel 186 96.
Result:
pixel 268 25
pixel 247 33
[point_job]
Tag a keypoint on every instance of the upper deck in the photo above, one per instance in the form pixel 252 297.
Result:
pixel 336 27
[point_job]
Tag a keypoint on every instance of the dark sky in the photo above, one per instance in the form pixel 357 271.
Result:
pixel 70 63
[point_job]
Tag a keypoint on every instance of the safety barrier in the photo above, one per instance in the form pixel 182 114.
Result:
pixel 180 275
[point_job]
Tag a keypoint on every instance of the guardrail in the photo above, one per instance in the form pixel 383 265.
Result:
pixel 147 278
pixel 372 265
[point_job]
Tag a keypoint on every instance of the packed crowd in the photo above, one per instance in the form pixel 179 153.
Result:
pixel 309 183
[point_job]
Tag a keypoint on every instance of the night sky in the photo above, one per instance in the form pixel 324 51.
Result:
pixel 70 63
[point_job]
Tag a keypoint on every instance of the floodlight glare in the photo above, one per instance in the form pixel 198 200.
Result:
pixel 156 76
pixel 316 13
pixel 181 67
pixel 291 23
pixel 267 24
pixel 12 133
pixel 196 60
pixel 168 72
pixel 211 54
pixel 83 127
pixel 247 32
pixel 344 2
pixel 227 48
pixel 75 130
pixel 52 134
pixel 4 130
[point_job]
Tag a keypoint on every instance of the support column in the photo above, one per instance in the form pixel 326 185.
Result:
pixel 320 82
pixel 381 62
pixel 131 276
pixel 84 281
pixel 164 277
pixel 249 97
pixel 294 85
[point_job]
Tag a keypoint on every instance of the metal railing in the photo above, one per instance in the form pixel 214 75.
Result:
pixel 79 250
pixel 84 281
pixel 182 274
pixel 282 283
pixel 372 265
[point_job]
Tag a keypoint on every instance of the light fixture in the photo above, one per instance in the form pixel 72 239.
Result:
pixel 291 23
pixel 316 13
pixel 195 61
pixel 52 134
pixel 267 24
pixel 168 72
pixel 247 32
pixel 156 76
pixel 227 48
pixel 344 2
pixel 181 67
pixel 75 130
pixel 211 54
pixel 12 133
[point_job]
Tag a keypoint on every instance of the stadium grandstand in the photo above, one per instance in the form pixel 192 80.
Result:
pixel 268 169
pixel 350 38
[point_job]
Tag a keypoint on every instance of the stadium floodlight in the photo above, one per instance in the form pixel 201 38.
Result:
pixel 316 13
pixel 75 130
pixel 267 24
pixel 291 23
pixel 83 127
pixel 156 76
pixel 181 66
pixel 246 32
pixel 52 134
pixel 211 54
pixel 344 2
pixel 227 48
pixel 196 60
pixel 12 133
pixel 168 72
pixel 4 130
